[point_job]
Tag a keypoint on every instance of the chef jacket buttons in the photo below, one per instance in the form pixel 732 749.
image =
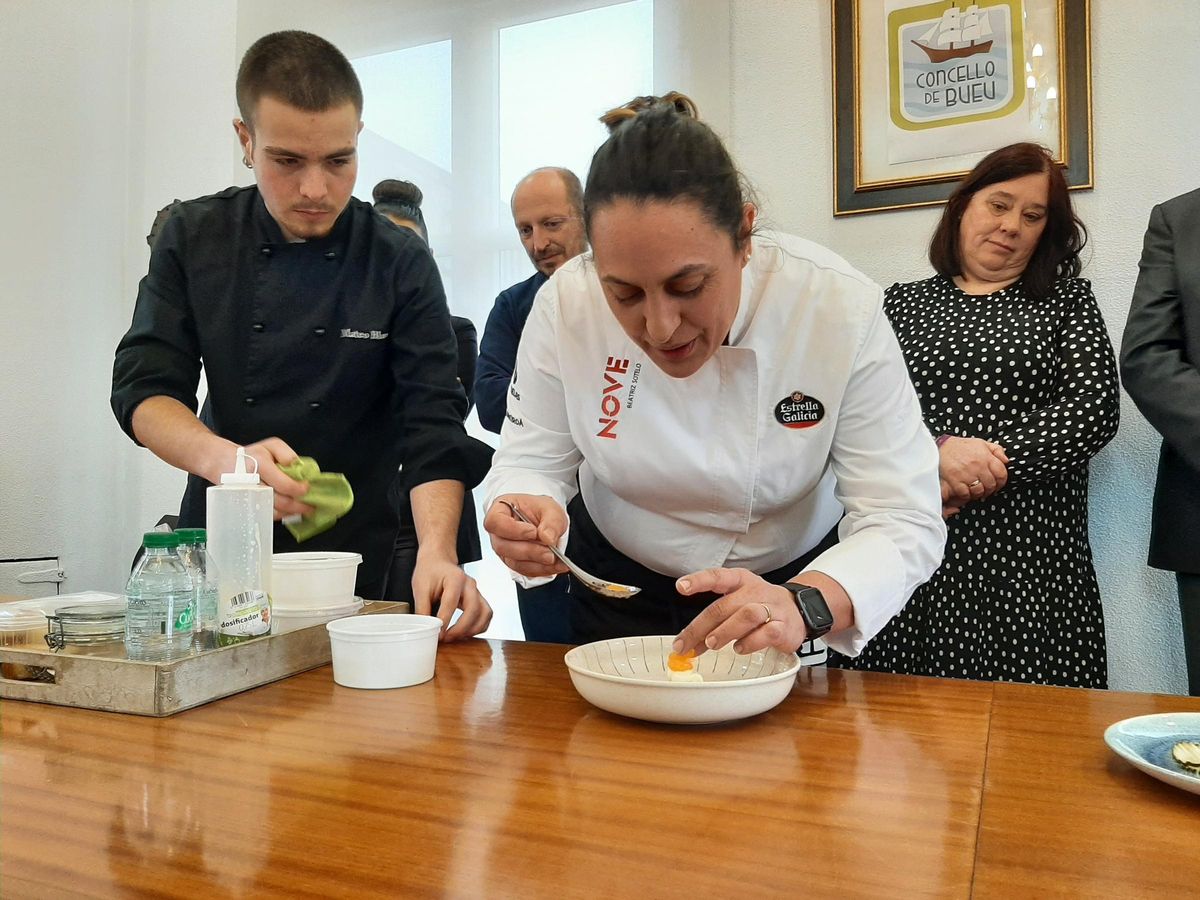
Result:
pixel 314 404
pixel 265 251
pixel 319 331
pixel 331 254
pixel 249 401
pixel 258 326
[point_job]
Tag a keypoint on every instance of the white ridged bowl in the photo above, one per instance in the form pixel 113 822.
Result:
pixel 628 676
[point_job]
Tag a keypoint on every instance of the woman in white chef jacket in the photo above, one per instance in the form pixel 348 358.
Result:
pixel 721 418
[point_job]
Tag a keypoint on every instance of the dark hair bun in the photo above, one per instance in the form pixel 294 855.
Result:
pixel 682 104
pixel 393 190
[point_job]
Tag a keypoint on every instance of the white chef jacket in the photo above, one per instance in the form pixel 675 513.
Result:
pixel 735 465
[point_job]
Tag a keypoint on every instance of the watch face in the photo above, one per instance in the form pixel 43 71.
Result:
pixel 818 610
pixel 815 611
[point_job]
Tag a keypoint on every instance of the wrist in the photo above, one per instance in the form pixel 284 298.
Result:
pixel 813 608
pixel 218 458
pixel 436 551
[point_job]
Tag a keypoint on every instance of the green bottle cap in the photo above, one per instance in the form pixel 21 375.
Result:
pixel 192 535
pixel 160 539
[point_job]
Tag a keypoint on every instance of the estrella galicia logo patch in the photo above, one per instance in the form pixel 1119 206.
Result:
pixel 798 410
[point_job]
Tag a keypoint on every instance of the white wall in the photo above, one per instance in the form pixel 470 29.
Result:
pixel 1144 139
pixel 112 119
pixel 182 146
pixel 66 153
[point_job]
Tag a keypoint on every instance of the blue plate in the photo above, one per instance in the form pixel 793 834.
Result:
pixel 1146 742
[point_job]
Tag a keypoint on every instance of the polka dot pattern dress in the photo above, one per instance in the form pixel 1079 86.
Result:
pixel 1016 597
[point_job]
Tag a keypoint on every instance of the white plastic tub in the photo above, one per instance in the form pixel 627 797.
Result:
pixel 22 627
pixel 23 622
pixel 284 620
pixel 384 651
pixel 311 580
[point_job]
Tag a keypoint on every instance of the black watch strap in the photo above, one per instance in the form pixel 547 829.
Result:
pixel 818 619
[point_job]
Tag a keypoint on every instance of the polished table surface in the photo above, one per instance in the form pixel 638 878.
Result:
pixel 497 780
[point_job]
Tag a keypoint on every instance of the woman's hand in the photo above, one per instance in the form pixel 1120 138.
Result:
pixel 522 547
pixel 752 612
pixel 970 469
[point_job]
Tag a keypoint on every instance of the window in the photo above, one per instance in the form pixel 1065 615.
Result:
pixel 556 78
pixel 407 131
pixel 488 94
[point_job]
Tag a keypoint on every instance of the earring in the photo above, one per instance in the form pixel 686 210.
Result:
pixel 247 163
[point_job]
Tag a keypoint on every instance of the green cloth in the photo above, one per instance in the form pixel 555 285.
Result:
pixel 329 494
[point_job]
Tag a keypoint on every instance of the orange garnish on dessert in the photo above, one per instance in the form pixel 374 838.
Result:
pixel 681 662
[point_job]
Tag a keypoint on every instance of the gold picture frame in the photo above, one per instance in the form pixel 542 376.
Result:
pixel 909 123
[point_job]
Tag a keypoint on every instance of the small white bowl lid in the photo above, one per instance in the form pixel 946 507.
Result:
pixel 312 559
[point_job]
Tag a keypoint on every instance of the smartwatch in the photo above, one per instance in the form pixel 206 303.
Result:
pixel 818 620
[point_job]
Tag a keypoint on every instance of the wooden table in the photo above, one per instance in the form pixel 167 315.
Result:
pixel 497 780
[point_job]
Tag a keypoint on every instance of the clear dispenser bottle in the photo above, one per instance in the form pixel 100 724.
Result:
pixel 240 532
pixel 160 604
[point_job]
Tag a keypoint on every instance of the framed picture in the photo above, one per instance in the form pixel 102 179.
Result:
pixel 924 90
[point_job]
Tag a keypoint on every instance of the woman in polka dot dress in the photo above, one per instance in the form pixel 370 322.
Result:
pixel 1013 364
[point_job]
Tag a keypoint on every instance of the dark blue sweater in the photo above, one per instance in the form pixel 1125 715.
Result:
pixel 498 350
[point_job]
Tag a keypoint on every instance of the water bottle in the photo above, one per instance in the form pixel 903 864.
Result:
pixel 240 540
pixel 159 600
pixel 193 550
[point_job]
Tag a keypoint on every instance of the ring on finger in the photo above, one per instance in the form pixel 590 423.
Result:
pixel 976 483
pixel 769 616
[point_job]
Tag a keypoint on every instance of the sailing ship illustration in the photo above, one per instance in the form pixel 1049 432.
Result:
pixel 967 28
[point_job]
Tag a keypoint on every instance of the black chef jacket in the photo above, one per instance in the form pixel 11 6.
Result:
pixel 341 346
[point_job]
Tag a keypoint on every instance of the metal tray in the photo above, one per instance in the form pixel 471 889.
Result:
pixel 102 678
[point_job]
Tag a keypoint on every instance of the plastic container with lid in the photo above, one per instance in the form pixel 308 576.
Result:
pixel 284 620
pixel 313 579
pixel 86 625
pixel 23 622
pixel 22 626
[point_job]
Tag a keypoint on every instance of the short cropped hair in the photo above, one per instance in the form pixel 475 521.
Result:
pixel 298 68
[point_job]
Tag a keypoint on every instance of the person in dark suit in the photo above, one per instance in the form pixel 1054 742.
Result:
pixel 400 203
pixel 547 210
pixel 1160 365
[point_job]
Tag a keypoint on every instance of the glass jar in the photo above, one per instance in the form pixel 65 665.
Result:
pixel 81 626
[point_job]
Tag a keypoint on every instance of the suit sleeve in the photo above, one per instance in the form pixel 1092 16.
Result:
pixel 1159 376
pixel 497 358
pixel 537 454
pixel 430 402
pixel 160 353
pixel 468 355
pixel 1083 417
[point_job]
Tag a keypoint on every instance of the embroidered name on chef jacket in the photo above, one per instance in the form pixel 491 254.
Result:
pixel 364 335
pixel 615 371
pixel 798 410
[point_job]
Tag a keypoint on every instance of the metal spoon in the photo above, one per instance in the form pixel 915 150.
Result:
pixel 591 582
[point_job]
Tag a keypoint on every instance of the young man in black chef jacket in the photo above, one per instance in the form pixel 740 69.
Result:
pixel 322 331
